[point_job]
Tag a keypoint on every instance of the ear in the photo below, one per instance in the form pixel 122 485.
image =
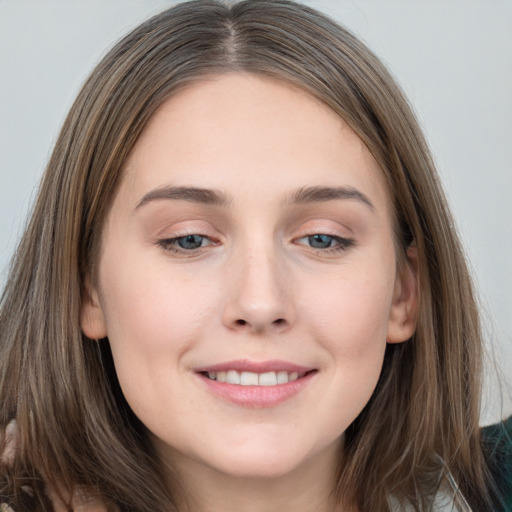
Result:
pixel 404 308
pixel 92 317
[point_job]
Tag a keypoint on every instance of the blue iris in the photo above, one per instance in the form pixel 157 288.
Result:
pixel 320 241
pixel 190 241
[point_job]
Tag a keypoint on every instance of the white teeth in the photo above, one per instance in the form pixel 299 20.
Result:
pixel 267 379
pixel 282 377
pixel 232 377
pixel 249 379
pixel 254 379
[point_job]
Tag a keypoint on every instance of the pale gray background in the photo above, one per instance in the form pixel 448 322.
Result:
pixel 452 57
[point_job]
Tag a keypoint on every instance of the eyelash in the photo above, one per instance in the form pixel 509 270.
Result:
pixel 171 244
pixel 342 243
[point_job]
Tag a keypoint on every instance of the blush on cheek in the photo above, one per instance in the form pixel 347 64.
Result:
pixel 360 320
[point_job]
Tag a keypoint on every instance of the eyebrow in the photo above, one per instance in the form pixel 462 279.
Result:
pixel 191 194
pixel 307 195
pixel 304 195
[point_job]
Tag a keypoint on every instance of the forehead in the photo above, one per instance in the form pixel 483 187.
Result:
pixel 251 136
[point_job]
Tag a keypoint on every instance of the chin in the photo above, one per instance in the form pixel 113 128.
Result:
pixel 259 468
pixel 266 460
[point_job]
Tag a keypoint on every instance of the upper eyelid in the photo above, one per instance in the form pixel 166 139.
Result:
pixel 344 233
pixel 297 229
pixel 315 222
pixel 170 232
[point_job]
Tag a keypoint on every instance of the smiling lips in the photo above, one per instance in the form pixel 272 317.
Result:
pixel 253 384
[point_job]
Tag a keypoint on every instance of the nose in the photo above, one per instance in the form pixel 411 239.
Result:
pixel 259 294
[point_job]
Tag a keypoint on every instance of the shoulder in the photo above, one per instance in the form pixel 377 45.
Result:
pixel 20 492
pixel 497 445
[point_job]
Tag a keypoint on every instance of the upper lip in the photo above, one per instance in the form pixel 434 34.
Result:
pixel 245 365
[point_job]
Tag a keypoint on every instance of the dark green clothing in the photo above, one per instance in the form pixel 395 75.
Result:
pixel 497 441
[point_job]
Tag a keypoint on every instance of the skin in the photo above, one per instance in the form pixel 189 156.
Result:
pixel 255 289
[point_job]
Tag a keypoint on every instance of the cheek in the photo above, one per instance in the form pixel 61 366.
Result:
pixel 152 315
pixel 357 337
pixel 352 312
pixel 350 319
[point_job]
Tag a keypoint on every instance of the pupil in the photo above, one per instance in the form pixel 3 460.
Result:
pixel 190 242
pixel 320 241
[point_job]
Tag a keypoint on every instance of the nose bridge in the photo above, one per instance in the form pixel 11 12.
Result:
pixel 260 285
pixel 258 299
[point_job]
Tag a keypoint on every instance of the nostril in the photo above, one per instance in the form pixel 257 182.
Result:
pixel 278 322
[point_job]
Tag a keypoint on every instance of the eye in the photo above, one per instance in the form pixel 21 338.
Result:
pixel 321 241
pixel 187 243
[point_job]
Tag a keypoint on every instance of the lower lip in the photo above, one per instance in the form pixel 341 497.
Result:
pixel 257 396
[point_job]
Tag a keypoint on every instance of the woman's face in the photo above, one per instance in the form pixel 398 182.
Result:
pixel 248 278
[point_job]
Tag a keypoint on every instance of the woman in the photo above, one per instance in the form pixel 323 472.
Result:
pixel 240 288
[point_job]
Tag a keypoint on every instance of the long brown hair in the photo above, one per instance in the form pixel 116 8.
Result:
pixel 75 427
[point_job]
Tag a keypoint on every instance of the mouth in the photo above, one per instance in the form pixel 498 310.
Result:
pixel 255 384
pixel 246 378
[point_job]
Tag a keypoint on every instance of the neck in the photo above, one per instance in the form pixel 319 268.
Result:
pixel 200 488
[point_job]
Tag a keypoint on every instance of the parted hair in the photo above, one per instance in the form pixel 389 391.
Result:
pixel 75 428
